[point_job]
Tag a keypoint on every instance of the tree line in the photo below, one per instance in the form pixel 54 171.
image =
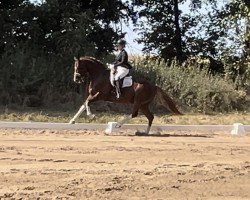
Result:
pixel 38 40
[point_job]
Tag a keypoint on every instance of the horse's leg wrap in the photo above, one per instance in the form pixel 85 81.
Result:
pixel 148 129
pixel 82 108
pixel 91 98
pixel 89 113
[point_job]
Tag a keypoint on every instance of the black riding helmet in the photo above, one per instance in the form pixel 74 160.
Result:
pixel 121 42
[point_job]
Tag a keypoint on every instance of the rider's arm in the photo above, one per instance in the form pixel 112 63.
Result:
pixel 123 60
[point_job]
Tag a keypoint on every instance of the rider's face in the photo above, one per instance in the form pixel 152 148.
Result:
pixel 120 47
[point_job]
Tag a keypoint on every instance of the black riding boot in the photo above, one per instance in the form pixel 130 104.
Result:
pixel 118 91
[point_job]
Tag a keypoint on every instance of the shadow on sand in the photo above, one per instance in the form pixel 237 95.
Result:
pixel 140 134
pixel 171 135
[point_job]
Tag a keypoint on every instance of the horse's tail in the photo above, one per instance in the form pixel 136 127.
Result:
pixel 166 101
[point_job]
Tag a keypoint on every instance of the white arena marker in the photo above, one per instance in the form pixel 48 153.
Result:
pixel 238 129
pixel 111 127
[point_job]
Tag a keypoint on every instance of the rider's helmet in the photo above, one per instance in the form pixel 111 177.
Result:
pixel 121 42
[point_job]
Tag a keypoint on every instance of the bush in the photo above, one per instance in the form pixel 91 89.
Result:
pixel 195 88
pixel 31 78
pixel 238 70
pixel 27 74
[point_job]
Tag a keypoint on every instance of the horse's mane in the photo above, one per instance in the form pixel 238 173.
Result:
pixel 93 59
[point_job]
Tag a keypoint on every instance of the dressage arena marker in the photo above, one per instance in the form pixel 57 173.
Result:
pixel 111 128
pixel 235 129
pixel 238 129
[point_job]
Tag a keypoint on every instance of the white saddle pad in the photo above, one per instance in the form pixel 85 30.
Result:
pixel 127 82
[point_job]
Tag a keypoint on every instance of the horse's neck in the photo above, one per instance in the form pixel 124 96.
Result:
pixel 96 71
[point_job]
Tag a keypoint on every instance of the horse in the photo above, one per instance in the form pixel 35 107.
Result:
pixel 141 94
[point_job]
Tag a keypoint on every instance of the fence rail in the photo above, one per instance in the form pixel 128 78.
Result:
pixel 90 126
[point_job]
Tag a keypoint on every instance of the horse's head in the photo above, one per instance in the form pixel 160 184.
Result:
pixel 80 70
pixel 88 66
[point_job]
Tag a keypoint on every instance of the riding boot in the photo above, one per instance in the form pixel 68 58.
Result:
pixel 118 91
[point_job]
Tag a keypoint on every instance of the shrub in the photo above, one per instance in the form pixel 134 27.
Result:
pixel 25 79
pixel 195 88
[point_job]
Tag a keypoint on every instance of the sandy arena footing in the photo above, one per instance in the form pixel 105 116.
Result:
pixel 45 164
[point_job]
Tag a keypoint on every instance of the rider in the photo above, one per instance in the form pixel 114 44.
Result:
pixel 121 65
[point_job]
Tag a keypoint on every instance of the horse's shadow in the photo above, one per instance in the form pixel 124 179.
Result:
pixel 171 135
pixel 140 134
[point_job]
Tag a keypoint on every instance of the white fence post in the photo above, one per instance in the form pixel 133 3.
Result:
pixel 111 127
pixel 238 129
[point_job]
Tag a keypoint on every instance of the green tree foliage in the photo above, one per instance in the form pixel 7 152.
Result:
pixel 212 29
pixel 202 31
pixel 159 26
pixel 38 42
pixel 234 20
pixel 56 23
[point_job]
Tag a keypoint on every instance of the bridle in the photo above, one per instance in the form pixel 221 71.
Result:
pixel 78 78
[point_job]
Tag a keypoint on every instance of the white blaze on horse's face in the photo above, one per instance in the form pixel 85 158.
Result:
pixel 76 74
pixel 75 70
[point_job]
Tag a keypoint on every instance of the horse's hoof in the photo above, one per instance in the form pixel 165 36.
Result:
pixel 72 122
pixel 91 116
pixel 118 126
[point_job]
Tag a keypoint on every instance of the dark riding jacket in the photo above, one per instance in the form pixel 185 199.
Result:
pixel 122 60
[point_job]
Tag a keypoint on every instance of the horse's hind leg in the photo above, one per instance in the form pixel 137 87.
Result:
pixel 89 113
pixel 124 121
pixel 145 109
pixel 133 115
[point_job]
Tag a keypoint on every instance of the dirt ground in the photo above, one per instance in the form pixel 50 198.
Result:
pixel 46 164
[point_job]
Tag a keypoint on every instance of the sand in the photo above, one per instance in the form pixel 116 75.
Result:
pixel 45 164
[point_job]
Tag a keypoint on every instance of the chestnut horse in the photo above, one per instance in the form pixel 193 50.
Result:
pixel 140 94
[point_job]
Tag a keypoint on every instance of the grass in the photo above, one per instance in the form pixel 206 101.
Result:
pixel 104 117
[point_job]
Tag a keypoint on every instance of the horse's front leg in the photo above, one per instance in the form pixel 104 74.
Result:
pixel 85 106
pixel 91 98
pixel 77 115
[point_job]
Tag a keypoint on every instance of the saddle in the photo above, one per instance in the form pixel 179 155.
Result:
pixel 126 81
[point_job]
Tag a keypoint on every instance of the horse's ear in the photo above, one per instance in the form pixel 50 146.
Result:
pixel 75 58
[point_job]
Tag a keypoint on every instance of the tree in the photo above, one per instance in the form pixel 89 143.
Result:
pixel 38 41
pixel 159 27
pixel 173 34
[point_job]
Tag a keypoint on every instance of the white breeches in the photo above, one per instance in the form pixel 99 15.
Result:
pixel 121 72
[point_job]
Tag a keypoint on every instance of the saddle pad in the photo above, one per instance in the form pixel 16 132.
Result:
pixel 127 82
